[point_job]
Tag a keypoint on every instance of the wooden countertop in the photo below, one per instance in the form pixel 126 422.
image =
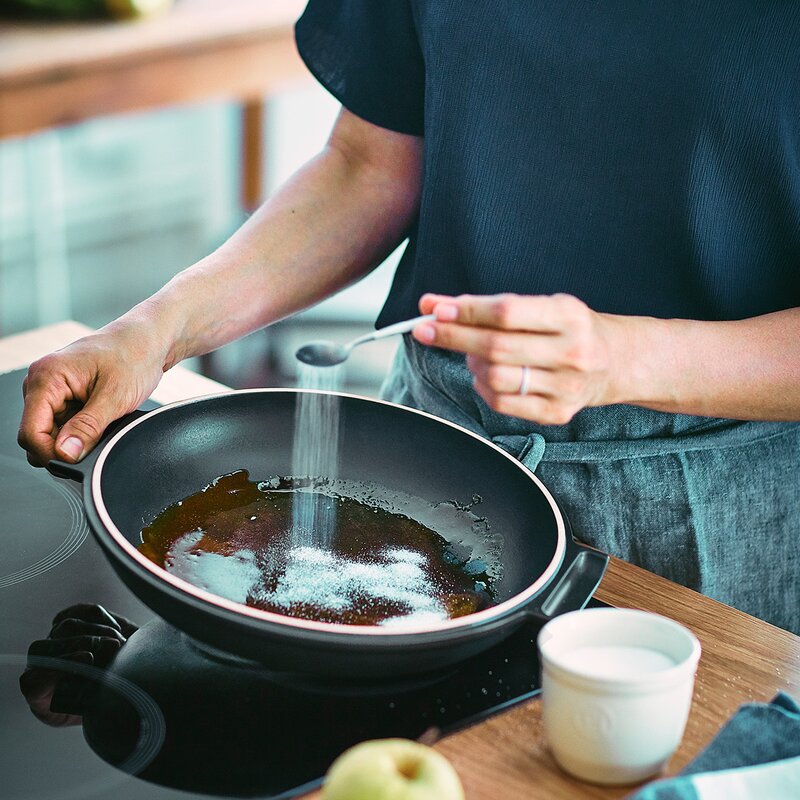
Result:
pixel 505 758
pixel 34 50
pixel 743 660
pixel 59 73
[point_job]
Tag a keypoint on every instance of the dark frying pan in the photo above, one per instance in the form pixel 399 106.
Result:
pixel 160 457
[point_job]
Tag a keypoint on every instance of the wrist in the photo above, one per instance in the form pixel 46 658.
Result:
pixel 156 327
pixel 643 361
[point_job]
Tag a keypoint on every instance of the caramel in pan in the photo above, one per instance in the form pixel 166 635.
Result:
pixel 234 539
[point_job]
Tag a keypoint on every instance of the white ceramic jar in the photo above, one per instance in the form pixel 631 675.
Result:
pixel 617 686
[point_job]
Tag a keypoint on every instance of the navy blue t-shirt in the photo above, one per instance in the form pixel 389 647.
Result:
pixel 643 156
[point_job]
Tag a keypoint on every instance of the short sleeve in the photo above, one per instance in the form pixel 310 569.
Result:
pixel 366 53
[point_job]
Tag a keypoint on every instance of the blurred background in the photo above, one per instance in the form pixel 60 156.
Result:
pixel 99 213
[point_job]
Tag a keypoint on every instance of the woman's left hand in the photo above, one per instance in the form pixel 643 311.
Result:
pixel 542 358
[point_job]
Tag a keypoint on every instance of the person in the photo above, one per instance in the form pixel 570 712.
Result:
pixel 602 203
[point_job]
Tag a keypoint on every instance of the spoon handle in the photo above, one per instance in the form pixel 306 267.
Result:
pixel 402 327
pixel 391 330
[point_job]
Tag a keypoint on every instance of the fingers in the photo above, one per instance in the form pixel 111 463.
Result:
pixel 429 301
pixel 85 634
pixel 552 397
pixel 96 614
pixel 51 396
pixel 71 408
pixel 544 331
pixel 87 628
pixel 127 627
pixel 498 346
pixel 82 432
pixel 544 409
pixel 505 379
pixel 512 312
pixel 87 612
pixel 565 346
pixel 73 395
pixel 38 428
pixel 71 628
pixel 102 648
pixel 44 691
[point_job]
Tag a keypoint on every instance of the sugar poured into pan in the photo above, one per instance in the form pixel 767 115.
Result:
pixel 393 578
pixel 315 453
pixel 229 574
pixel 235 539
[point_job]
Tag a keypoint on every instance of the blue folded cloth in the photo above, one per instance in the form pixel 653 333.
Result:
pixel 755 756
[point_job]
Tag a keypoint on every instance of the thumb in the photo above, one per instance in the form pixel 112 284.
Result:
pixel 429 301
pixel 82 432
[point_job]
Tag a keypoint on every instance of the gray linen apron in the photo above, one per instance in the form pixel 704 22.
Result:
pixel 713 504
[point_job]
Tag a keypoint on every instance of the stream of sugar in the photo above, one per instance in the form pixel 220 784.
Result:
pixel 315 456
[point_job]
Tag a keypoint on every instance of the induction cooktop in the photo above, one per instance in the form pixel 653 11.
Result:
pixel 99 697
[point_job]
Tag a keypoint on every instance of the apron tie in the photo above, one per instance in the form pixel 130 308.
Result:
pixel 527 449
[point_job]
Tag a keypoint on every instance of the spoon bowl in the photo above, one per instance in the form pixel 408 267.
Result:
pixel 329 354
pixel 322 353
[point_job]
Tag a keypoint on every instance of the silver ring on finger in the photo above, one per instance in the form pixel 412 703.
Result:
pixel 525 380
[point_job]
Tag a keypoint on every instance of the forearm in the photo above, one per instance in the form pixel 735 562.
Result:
pixel 329 225
pixel 745 369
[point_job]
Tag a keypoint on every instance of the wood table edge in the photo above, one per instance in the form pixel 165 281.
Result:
pixel 116 33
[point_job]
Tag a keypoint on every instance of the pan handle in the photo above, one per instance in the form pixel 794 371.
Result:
pixel 80 471
pixel 574 586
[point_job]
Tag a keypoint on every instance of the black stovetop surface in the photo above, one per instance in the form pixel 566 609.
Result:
pixel 161 719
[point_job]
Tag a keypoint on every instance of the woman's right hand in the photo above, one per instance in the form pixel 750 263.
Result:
pixel 74 394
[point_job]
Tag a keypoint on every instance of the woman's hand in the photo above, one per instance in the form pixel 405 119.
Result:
pixel 71 396
pixel 542 358
pixel 83 634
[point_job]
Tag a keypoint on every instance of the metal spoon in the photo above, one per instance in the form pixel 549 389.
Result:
pixel 329 354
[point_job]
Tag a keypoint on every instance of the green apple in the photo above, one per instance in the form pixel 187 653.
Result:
pixel 129 9
pixel 392 769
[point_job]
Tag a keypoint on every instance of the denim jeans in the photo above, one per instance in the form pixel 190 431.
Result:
pixel 713 504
